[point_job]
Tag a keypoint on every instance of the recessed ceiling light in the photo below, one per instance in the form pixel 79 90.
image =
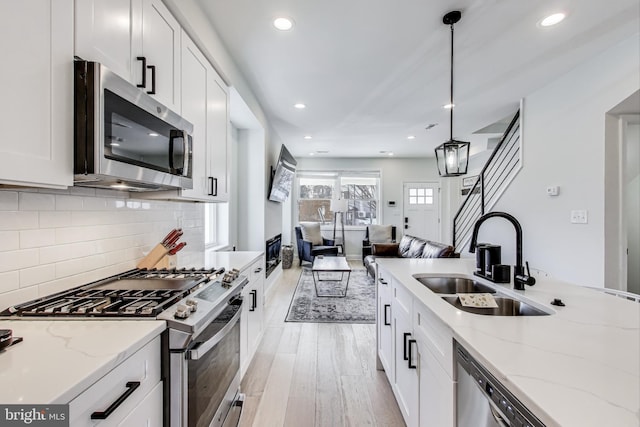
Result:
pixel 411 137
pixel 300 106
pixel 448 106
pixel 390 153
pixel 283 24
pixel 312 154
pixel 553 19
pixel 307 137
pixel 153 134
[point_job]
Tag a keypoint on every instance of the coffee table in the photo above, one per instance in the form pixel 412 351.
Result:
pixel 330 264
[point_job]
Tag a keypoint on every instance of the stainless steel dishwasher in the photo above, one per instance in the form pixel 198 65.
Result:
pixel 482 401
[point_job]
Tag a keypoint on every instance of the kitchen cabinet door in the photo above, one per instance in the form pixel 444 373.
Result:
pixel 384 323
pixel 253 313
pixel 218 140
pixel 104 33
pixel 160 40
pixel 36 115
pixel 195 69
pixel 406 381
pixel 437 389
pixel 148 412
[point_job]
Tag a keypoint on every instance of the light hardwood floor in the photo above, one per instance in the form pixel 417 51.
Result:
pixel 315 374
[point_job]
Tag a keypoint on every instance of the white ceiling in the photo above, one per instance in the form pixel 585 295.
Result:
pixel 372 72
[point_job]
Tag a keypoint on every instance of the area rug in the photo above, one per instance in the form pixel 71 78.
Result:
pixel 359 306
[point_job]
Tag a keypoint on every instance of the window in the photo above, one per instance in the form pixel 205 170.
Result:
pixel 361 190
pixel 420 196
pixel 216 224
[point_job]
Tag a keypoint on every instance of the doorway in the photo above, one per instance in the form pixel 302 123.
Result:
pixel 421 207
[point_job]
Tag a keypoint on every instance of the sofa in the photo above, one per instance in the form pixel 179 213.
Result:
pixel 408 247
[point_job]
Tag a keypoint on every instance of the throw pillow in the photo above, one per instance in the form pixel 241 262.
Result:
pixel 380 234
pixel 311 232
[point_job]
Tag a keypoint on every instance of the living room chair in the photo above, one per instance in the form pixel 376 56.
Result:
pixel 311 243
pixel 377 234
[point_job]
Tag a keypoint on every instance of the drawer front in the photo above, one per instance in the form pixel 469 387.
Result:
pixel 148 412
pixel 403 298
pixel 143 367
pixel 435 335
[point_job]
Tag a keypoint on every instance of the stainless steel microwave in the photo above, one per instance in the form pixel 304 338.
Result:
pixel 124 138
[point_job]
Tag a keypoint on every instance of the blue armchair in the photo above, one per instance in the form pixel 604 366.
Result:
pixel 307 250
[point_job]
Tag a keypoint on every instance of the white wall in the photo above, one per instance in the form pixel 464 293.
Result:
pixel 563 144
pixel 632 206
pixel 394 172
pixel 52 240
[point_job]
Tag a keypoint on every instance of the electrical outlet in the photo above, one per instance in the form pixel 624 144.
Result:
pixel 579 217
pixel 553 190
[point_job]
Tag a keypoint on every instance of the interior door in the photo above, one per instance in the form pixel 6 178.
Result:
pixel 421 207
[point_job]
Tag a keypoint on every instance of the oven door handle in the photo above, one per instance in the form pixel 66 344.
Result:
pixel 203 348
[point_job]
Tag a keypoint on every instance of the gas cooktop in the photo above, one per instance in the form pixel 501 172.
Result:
pixel 135 293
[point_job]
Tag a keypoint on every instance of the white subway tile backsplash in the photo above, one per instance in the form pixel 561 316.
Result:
pixel 59 253
pixel 68 203
pixel 16 220
pixel 37 238
pixel 36 202
pixel 8 200
pixel 36 275
pixel 9 240
pixel 55 219
pixel 51 240
pixel 8 282
pixel 17 260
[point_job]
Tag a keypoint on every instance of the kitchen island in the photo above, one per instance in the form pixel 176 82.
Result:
pixel 579 366
pixel 58 360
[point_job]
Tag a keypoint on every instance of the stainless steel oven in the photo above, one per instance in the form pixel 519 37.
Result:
pixel 124 138
pixel 204 361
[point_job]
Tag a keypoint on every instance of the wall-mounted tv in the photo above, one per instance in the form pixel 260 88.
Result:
pixel 282 177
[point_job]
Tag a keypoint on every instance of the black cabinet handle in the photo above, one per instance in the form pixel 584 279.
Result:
pixel 381 280
pixel 131 387
pixel 411 365
pixel 144 71
pixel 213 186
pixel 257 270
pixel 153 80
pixel 254 300
pixel 386 319
pixel 406 352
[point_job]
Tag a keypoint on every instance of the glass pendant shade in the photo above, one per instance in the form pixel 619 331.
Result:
pixel 452 158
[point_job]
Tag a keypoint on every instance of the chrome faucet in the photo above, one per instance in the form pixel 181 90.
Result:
pixel 519 277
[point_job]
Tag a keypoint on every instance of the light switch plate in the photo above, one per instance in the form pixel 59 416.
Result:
pixel 579 217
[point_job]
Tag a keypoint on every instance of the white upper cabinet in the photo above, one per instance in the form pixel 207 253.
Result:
pixel 36 115
pixel 205 103
pixel 137 39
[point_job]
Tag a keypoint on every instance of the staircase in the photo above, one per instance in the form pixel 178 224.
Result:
pixel 501 168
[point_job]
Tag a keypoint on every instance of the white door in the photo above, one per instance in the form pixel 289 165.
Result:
pixel 421 202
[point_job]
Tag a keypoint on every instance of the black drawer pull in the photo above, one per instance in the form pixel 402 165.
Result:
pixel 153 80
pixel 411 365
pixel 254 300
pixel 386 319
pixel 144 71
pixel 406 352
pixel 131 386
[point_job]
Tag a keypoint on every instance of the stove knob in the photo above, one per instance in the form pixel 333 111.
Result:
pixel 192 304
pixel 182 312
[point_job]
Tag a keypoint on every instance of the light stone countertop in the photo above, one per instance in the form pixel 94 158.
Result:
pixel 231 259
pixel 59 359
pixel 577 367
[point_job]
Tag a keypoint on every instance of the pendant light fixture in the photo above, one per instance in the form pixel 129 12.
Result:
pixel 452 156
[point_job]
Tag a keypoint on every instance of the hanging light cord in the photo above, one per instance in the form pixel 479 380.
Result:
pixel 451 93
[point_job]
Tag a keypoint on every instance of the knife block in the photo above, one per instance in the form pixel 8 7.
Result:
pixel 167 262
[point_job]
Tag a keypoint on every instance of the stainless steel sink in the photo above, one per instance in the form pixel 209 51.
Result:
pixel 453 285
pixel 506 307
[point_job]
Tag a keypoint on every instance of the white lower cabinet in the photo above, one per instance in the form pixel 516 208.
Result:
pixel 136 383
pixel 252 319
pixel 385 325
pixel 416 353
